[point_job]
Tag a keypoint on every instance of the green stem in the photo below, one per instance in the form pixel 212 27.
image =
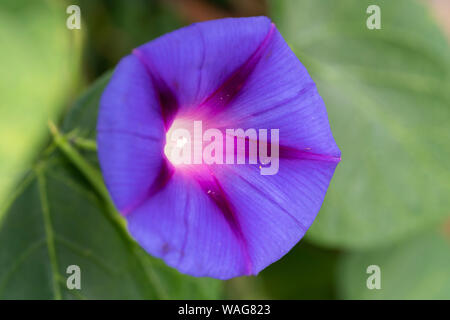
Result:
pixel 96 180
pixel 50 235
pixel 88 171
pixel 86 144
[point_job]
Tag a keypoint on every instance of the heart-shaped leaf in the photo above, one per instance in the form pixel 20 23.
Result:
pixel 387 93
pixel 415 269
pixel 39 64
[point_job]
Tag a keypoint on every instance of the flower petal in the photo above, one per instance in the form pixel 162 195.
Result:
pixel 186 225
pixel 280 94
pixel 196 60
pixel 130 135
pixel 220 220
pixel 181 225
pixel 129 103
pixel 275 211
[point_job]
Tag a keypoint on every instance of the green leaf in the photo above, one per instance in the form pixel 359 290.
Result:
pixel 416 269
pixel 387 94
pixel 38 63
pixel 61 215
pixel 82 117
pixel 306 272
pixel 115 27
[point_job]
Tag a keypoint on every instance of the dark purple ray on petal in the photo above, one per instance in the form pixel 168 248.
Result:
pixel 293 153
pixel 167 99
pixel 212 187
pixel 165 173
pixel 285 152
pixel 231 87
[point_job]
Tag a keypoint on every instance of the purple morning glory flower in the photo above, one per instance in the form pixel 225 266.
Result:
pixel 216 219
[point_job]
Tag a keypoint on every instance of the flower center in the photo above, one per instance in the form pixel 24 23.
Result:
pixel 178 143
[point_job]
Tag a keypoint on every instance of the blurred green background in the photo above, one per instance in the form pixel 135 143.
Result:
pixel 387 94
